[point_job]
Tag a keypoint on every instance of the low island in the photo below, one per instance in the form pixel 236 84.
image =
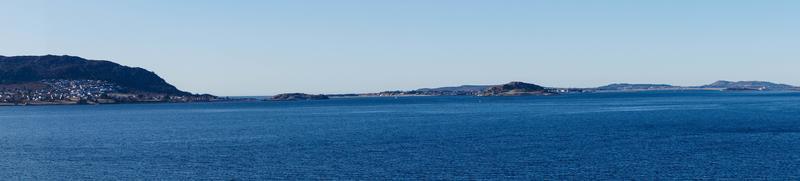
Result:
pixel 297 97
pixel 517 89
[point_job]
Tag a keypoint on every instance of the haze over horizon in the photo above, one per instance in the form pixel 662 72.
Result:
pixel 269 47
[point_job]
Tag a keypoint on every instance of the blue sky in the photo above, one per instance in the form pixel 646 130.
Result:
pixel 267 47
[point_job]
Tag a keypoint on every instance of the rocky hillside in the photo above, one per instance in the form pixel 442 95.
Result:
pixel 515 89
pixel 24 69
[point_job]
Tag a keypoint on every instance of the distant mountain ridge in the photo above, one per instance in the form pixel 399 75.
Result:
pixel 22 69
pixel 718 85
pixel 755 85
pixel 532 89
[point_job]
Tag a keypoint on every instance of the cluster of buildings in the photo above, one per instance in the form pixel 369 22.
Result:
pixel 569 90
pixel 47 92
pixel 58 91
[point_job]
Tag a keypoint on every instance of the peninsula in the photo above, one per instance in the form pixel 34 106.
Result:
pixel 52 80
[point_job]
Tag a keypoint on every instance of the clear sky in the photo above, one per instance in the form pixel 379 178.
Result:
pixel 265 47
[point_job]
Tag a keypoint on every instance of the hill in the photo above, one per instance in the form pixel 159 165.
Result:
pixel 26 69
pixel 297 96
pixel 515 89
pixel 749 85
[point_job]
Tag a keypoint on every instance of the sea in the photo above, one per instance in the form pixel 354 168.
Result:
pixel 658 135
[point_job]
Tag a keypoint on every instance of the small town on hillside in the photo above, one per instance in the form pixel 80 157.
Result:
pixel 59 91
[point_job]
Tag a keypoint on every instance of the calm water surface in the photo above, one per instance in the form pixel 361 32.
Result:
pixel 648 135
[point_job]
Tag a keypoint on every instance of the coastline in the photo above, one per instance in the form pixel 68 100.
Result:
pixel 254 99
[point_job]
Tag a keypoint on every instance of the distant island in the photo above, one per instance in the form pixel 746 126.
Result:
pixel 721 85
pixel 527 89
pixel 55 80
pixel 297 97
pixel 508 89
pixel 625 86
pixel 60 80
pixel 516 89
pixel 750 85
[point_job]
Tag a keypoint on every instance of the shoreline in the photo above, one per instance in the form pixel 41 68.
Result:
pixel 395 96
pixel 118 103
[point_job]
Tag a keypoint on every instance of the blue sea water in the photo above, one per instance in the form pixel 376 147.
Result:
pixel 643 136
